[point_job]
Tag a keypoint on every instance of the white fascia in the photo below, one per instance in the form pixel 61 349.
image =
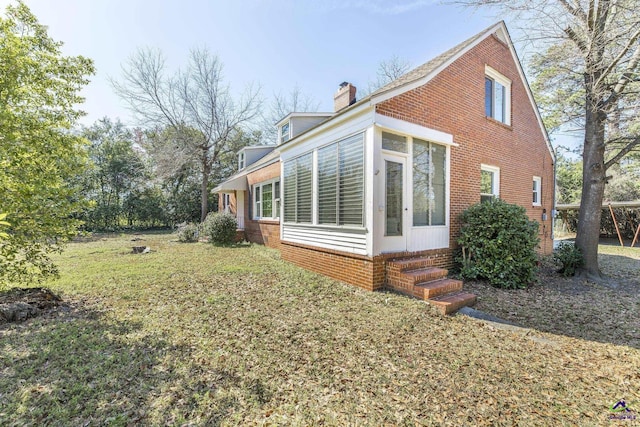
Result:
pixel 414 130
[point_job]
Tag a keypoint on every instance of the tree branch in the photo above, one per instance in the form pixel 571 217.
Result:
pixel 623 152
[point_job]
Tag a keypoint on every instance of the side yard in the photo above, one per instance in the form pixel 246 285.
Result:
pixel 572 307
pixel 195 334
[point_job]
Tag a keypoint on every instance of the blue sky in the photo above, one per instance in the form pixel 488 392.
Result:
pixel 274 43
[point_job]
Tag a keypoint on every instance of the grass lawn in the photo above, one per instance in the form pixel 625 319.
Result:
pixel 573 307
pixel 192 334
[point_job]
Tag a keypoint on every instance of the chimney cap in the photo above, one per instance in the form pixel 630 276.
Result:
pixel 343 84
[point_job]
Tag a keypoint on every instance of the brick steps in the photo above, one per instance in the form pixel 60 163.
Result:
pixel 436 288
pixel 417 277
pixel 451 303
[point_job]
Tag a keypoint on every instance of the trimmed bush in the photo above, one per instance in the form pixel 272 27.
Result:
pixel 569 256
pixel 188 233
pixel 220 228
pixel 499 244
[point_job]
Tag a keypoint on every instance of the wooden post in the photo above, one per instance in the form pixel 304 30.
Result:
pixel 615 222
pixel 636 236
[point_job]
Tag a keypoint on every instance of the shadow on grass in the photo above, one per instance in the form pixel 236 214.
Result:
pixel 98 235
pixel 622 270
pixel 78 368
pixel 573 307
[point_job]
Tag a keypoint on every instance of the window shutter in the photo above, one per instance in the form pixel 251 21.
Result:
pixel 351 182
pixel 290 183
pixel 304 189
pixel 328 185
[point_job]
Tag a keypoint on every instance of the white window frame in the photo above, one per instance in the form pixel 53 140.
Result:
pixel 537 191
pixel 284 138
pixel 338 190
pixel 257 206
pixel 497 77
pixel 495 191
pixel 241 160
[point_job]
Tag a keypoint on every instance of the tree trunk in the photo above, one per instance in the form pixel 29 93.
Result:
pixel 594 179
pixel 204 190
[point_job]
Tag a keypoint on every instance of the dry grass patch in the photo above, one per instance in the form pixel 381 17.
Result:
pixel 192 334
pixel 573 307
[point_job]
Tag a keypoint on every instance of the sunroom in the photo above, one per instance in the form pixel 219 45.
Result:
pixel 383 188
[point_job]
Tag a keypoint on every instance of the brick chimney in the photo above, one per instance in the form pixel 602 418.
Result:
pixel 345 96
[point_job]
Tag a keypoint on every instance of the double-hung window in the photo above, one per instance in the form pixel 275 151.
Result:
pixel 241 160
pixel 489 183
pixel 537 191
pixel 266 200
pixel 285 134
pixel 497 96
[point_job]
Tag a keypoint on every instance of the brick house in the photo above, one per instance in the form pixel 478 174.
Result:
pixel 371 194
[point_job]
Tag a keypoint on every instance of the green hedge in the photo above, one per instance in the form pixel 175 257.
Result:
pixel 499 244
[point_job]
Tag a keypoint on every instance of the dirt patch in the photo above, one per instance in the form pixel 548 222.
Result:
pixel 19 304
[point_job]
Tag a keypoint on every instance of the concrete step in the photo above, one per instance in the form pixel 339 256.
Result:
pixel 436 288
pixel 450 303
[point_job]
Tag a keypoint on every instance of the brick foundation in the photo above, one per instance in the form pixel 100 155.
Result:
pixel 264 232
pixel 358 270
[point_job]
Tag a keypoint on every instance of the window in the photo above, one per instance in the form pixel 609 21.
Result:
pixel 298 189
pixel 489 183
pixel 285 134
pixel 341 182
pixel 226 202
pixel 241 160
pixel 266 196
pixel 537 191
pixel 276 199
pixel 394 142
pixel 497 96
pixel 429 183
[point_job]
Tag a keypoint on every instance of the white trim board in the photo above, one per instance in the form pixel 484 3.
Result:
pixel 412 129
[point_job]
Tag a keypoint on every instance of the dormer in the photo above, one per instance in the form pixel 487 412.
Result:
pixel 249 155
pixel 296 123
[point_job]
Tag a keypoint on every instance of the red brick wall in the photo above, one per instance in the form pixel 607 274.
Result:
pixel 358 270
pixel 453 102
pixel 264 232
pixel 355 270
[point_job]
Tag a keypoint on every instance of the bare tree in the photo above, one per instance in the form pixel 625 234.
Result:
pixel 194 102
pixel 281 105
pixel 388 70
pixel 585 57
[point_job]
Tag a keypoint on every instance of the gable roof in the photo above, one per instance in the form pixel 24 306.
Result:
pixel 411 80
pixel 427 71
pixel 428 67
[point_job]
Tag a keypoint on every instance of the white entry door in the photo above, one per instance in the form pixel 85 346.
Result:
pixel 394 197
